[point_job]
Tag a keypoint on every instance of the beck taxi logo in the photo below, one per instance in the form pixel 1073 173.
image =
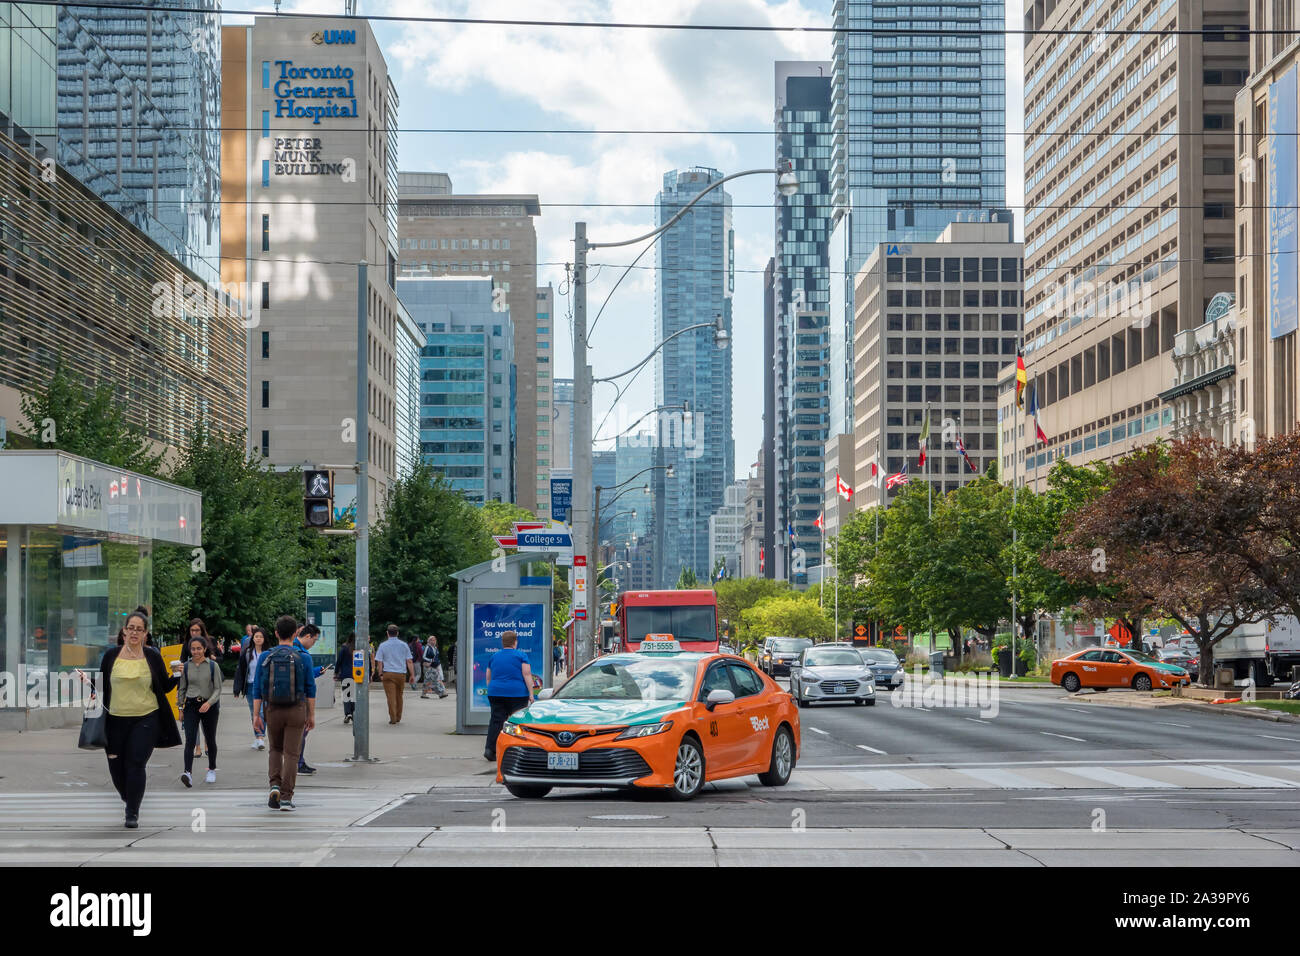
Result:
pixel 758 723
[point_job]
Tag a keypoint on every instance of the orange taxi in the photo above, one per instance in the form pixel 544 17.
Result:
pixel 659 718
pixel 1103 668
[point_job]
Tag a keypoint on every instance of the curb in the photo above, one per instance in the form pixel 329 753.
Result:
pixel 1151 703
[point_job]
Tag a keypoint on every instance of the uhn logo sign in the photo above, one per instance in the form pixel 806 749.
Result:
pixel 334 36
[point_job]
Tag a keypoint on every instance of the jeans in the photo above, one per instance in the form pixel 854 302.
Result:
pixel 191 719
pixel 502 707
pixel 285 725
pixel 130 745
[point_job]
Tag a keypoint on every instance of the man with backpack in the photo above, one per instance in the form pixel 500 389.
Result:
pixel 432 669
pixel 284 707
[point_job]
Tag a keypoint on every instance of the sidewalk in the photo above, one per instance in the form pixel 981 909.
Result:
pixel 1145 701
pixel 420 753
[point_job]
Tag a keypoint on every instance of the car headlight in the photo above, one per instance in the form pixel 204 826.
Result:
pixel 809 678
pixel 513 730
pixel 644 730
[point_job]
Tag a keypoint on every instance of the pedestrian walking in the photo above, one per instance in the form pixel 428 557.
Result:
pixel 304 642
pixel 284 706
pixel 197 629
pixel 432 669
pixel 557 659
pixel 342 671
pixel 509 687
pixel 133 684
pixel 255 645
pixel 395 667
pixel 417 660
pixel 198 691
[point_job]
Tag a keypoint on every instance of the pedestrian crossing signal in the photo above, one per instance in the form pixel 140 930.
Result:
pixel 318 500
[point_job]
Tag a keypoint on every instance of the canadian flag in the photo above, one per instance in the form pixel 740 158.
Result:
pixel 845 491
pixel 818 522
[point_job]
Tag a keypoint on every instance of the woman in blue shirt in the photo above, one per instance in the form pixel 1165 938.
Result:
pixel 509 687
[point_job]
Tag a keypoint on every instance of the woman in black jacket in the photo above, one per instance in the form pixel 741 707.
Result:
pixel 134 683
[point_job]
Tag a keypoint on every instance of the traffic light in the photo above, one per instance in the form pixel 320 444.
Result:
pixel 318 502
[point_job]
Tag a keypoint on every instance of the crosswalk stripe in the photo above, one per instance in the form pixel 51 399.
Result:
pixel 1242 776
pixel 1006 779
pixel 888 780
pixel 1118 778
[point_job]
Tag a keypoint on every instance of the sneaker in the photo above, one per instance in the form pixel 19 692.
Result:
pixel 256 744
pixel 424 697
pixel 287 806
pixel 274 801
pixel 132 822
pixel 210 777
pixel 305 769
pixel 261 743
pixel 347 719
pixel 187 779
pixel 441 696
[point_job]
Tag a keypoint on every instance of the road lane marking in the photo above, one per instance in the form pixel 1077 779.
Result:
pixel 872 749
pixel 1063 736
pixel 976 719
pixel 1080 710
pixel 1170 723
pixel 890 780
pixel 817 730
pixel 1294 740
pixel 1007 780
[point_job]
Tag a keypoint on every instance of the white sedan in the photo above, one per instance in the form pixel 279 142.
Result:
pixel 832 673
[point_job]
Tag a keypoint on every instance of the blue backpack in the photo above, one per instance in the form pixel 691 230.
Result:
pixel 280 676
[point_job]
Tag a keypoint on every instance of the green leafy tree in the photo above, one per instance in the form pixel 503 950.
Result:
pixel 252 566
pixel 788 615
pixel 736 595
pixel 687 580
pixel 499 517
pixel 427 533
pixel 906 547
pixel 86 421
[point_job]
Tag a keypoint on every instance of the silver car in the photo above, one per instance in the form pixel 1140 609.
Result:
pixel 885 664
pixel 832 673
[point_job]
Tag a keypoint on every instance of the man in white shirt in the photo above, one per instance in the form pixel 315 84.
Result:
pixel 395 667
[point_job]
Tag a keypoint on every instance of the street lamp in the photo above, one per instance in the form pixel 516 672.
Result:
pixel 583 513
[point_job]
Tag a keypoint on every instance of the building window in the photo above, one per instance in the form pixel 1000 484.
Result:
pixel 266 295
pixel 266 124
pixel 266 74
pixel 266 443
pixel 266 394
pixel 266 172
pixel 505 243
pixel 266 233
pixel 266 345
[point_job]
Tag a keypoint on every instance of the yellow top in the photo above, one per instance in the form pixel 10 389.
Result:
pixel 133 694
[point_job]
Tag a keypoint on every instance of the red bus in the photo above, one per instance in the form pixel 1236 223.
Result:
pixel 691 617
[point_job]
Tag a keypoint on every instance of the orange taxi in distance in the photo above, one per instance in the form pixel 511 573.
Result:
pixel 1102 668
pixel 659 718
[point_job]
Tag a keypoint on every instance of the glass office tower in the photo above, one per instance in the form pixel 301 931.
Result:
pixel 139 119
pixel 919 128
pixel 693 284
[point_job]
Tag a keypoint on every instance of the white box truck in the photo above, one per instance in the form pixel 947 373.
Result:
pixel 1266 651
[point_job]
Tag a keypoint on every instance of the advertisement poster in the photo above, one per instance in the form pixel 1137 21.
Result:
pixel 490 621
pixel 1283 237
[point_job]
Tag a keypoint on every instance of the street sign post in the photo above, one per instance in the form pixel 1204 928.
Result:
pixel 580 587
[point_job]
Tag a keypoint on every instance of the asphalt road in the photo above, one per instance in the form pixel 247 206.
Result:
pixel 1038 729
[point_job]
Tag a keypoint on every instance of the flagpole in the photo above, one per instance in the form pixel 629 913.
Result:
pixel 821 585
pixel 1015 474
pixel 929 488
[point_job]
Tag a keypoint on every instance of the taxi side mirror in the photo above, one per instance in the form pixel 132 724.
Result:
pixel 546 694
pixel 717 697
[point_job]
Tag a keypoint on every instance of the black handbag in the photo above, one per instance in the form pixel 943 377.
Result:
pixel 94 730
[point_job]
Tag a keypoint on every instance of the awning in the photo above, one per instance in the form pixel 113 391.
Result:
pixel 1201 381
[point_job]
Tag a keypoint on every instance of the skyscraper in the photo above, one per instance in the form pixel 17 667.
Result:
pixel 694 280
pixel 810 369
pixel 919 124
pixel 1128 223
pixel 139 115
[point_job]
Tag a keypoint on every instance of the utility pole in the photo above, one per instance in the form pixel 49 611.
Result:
pixel 583 478
pixel 361 716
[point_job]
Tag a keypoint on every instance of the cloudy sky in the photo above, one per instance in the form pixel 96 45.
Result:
pixel 715 86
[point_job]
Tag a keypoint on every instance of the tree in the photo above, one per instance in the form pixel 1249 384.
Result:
pixel 856 543
pixel 86 421
pixel 736 595
pixel 427 533
pixel 687 580
pixel 252 567
pixel 905 547
pixel 1142 543
pixel 499 517
pixel 788 615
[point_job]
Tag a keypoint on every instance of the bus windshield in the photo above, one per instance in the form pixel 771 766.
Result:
pixel 697 623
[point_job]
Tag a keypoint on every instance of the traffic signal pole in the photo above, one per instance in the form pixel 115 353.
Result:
pixel 361 713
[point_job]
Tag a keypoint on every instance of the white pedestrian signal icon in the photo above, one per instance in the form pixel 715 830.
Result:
pixel 319 487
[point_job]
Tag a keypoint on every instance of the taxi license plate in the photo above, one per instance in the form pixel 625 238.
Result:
pixel 561 761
